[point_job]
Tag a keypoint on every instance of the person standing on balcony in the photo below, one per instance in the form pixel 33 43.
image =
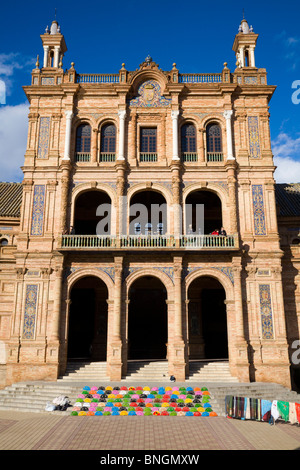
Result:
pixel 223 232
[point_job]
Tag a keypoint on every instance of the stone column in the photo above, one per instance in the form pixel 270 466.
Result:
pixel 69 115
pixel 122 115
pixel 56 56
pixel 252 56
pixel 94 146
pixel 46 51
pixel 178 303
pixel 231 181
pixel 201 145
pixel 120 227
pixel 64 194
pixel 175 115
pixel 177 212
pixel 227 115
pixel 242 56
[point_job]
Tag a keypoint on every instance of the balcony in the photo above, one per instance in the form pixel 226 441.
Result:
pixel 148 157
pixel 214 157
pixel 142 242
pixel 107 157
pixel 82 157
pixel 189 157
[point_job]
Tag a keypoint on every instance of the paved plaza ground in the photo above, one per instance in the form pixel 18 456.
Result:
pixel 52 432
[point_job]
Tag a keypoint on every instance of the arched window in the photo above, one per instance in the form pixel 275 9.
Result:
pixel 3 242
pixel 108 143
pixel 188 143
pixel 83 143
pixel 214 143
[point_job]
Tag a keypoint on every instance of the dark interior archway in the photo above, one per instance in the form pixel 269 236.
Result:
pixel 87 338
pixel 85 218
pixel 212 211
pixel 147 319
pixel 155 221
pixel 207 319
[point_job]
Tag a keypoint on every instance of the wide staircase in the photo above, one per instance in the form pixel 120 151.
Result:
pixel 147 371
pixel 216 371
pixel 32 396
pixel 85 371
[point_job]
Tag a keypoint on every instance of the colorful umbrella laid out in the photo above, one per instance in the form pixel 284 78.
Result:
pixel 143 401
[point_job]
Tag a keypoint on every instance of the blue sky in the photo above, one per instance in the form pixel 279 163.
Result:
pixel 197 35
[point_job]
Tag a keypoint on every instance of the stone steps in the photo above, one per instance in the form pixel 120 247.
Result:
pixel 85 371
pixel 210 372
pixel 147 371
pixel 33 396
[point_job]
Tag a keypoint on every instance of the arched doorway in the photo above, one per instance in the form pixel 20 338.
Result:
pixel 87 337
pixel 86 219
pixel 212 212
pixel 207 319
pixel 151 218
pixel 147 319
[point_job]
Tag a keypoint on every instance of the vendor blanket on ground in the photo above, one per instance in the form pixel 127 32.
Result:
pixel 143 401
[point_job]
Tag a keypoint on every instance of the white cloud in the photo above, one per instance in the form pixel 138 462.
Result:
pixel 10 64
pixel 287 158
pixel 13 140
pixel 288 170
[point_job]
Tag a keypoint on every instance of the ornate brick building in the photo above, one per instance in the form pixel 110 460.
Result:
pixel 147 290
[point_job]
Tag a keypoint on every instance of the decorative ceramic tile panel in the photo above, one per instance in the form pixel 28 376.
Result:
pixel 48 81
pixel 266 311
pixel 149 96
pixel 254 139
pixel 44 137
pixel 30 311
pixel 258 210
pixel 251 81
pixel 37 219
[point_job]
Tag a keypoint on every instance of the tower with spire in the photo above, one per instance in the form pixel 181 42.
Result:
pixel 54 46
pixel 244 45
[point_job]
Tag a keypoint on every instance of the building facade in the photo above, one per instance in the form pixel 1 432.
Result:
pixel 82 274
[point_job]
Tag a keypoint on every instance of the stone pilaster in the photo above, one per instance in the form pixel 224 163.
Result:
pixel 115 357
pixel 178 344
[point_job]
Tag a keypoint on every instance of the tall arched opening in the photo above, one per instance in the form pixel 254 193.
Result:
pixel 207 319
pixel 92 207
pixel 148 213
pixel 87 335
pixel 212 212
pixel 147 319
